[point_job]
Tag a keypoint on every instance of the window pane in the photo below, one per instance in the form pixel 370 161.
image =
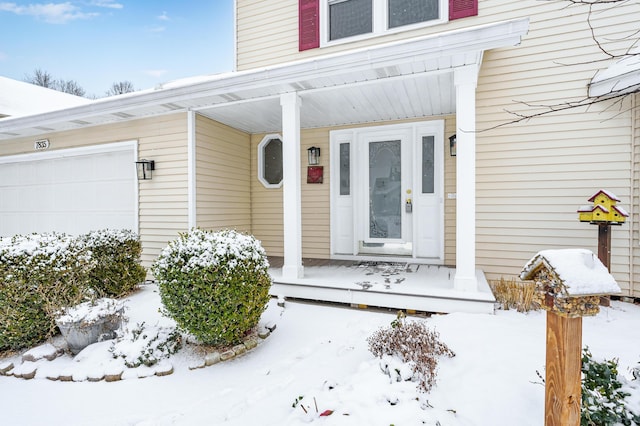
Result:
pixel 428 170
pixel 405 12
pixel 349 18
pixel 345 169
pixel 385 215
pixel 273 161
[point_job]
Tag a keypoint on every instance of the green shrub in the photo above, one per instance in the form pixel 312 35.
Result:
pixel 603 400
pixel 116 268
pixel 39 275
pixel 215 285
pixel 415 346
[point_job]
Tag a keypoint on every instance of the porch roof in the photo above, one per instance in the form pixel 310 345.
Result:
pixel 404 79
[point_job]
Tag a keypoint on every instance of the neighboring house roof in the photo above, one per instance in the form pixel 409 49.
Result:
pixel 18 98
pixel 621 77
pixel 336 89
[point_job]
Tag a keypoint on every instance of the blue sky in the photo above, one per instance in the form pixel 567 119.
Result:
pixel 99 42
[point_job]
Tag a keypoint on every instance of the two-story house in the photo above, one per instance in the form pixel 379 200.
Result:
pixel 415 156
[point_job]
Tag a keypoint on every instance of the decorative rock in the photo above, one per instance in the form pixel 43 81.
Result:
pixel 194 365
pixel 263 333
pixel 6 367
pixel 239 349
pixel 212 358
pixel 66 377
pixel 95 376
pixel 46 351
pixel 27 370
pixel 113 377
pixel 53 378
pixel 164 368
pixel 270 326
pixel 226 355
pixel 250 343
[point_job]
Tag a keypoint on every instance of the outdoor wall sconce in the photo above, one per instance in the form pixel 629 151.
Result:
pixel 144 168
pixel 314 155
pixel 452 145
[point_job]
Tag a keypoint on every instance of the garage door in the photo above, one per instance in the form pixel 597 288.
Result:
pixel 72 191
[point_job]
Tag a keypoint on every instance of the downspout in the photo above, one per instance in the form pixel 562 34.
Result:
pixel 191 169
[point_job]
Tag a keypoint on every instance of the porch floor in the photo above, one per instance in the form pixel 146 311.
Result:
pixel 396 285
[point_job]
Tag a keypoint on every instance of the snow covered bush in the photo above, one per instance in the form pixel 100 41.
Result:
pixel 143 345
pixel 603 395
pixel 415 347
pixel 39 275
pixel 215 285
pixel 116 268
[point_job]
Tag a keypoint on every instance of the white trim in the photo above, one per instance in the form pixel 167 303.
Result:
pixel 261 145
pixel 291 191
pixel 191 170
pixel 466 80
pixel 380 13
pixel 355 135
pixel 71 152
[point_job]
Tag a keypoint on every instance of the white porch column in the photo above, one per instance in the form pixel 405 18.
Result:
pixel 466 79
pixel 291 198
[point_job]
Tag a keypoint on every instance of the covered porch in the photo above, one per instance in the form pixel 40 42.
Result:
pixel 397 285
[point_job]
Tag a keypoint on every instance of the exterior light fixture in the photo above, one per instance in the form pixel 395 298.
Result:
pixel 452 145
pixel 144 168
pixel 314 155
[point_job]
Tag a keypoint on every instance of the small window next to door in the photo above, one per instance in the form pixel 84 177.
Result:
pixel 270 161
pixel 345 169
pixel 428 168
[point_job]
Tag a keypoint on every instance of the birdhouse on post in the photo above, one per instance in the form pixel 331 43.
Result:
pixel 603 209
pixel 603 212
pixel 571 282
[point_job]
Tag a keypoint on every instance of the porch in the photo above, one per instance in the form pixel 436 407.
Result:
pixel 397 285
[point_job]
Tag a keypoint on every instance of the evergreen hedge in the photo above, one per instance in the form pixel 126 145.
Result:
pixel 215 285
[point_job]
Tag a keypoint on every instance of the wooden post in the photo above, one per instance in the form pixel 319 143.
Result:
pixel 604 244
pixel 563 370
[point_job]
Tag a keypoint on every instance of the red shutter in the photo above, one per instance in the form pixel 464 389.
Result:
pixel 462 8
pixel 308 24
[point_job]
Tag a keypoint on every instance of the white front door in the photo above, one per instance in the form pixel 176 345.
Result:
pixel 387 191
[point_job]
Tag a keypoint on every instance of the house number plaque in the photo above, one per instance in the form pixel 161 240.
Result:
pixel 41 144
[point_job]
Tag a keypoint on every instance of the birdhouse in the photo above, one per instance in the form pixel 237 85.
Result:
pixel 570 281
pixel 603 209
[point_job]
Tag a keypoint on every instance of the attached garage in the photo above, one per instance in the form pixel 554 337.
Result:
pixel 72 190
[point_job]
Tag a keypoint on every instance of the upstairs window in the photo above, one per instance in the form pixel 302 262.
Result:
pixel 349 18
pixel 329 21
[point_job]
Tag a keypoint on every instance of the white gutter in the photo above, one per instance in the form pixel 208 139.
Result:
pixel 277 79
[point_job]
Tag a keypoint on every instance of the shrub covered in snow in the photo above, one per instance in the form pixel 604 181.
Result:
pixel 144 345
pixel 39 275
pixel 116 268
pixel 215 285
pixel 603 394
pixel 409 351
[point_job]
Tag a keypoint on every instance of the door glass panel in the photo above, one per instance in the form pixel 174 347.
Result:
pixel 345 169
pixel 385 219
pixel 428 170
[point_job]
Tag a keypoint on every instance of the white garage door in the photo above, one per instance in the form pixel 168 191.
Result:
pixel 72 190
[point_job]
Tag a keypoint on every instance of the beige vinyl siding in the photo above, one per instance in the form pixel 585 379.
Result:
pixel 266 207
pixel 223 161
pixel 162 200
pixel 449 188
pixel 634 210
pixel 533 175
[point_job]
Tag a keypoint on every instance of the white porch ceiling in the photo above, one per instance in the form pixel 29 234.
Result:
pixel 407 79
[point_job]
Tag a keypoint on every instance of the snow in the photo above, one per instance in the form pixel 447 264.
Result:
pixel 17 98
pixel 580 270
pixel 319 352
pixel 89 312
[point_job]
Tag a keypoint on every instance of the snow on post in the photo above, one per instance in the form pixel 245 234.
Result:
pixel 571 281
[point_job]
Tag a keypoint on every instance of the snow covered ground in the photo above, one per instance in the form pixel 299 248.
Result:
pixel 319 353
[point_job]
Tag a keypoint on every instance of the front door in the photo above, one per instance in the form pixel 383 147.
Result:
pixel 387 191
